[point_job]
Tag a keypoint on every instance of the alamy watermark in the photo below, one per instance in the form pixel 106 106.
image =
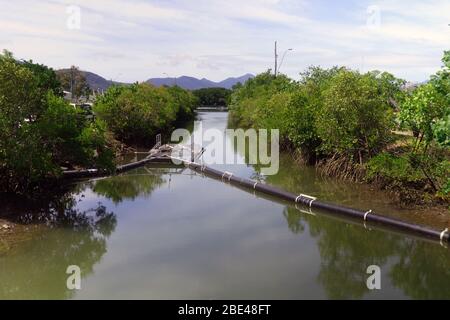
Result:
pixel 373 17
pixel 373 282
pixel 73 21
pixel 73 281
pixel 262 146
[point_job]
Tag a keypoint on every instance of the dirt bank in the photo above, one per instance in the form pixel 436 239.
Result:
pixel 12 234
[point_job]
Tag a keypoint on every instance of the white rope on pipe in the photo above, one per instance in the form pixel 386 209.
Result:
pixel 310 198
pixel 443 234
pixel 366 214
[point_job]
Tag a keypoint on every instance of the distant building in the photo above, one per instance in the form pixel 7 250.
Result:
pixel 67 95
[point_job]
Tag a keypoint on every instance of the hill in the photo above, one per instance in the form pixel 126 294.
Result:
pixel 97 82
pixel 192 83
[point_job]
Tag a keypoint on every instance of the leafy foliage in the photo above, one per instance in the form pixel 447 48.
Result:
pixel 305 107
pixel 441 80
pixel 421 110
pixel 185 101
pixel 328 111
pixel 390 88
pixel 386 165
pixel 441 131
pixel 343 120
pixel 250 105
pixel 39 131
pixel 46 77
pixel 427 113
pixel 213 97
pixel 136 113
pixel 355 119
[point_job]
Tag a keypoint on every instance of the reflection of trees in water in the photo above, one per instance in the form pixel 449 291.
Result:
pixel 294 220
pixel 37 268
pixel 422 271
pixel 417 267
pixel 128 186
pixel 63 212
pixel 346 250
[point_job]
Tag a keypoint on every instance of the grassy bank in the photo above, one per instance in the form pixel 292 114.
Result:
pixel 343 122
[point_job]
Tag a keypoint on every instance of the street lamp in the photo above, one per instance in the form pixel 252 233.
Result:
pixel 282 59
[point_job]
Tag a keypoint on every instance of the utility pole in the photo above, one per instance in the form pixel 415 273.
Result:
pixel 72 82
pixel 276 59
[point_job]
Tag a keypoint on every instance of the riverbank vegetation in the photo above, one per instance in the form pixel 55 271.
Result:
pixel 136 113
pixel 42 134
pixel 358 126
pixel 213 97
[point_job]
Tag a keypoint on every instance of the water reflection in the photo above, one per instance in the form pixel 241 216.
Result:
pixel 37 268
pixel 178 236
pixel 346 251
pixel 422 271
pixel 140 183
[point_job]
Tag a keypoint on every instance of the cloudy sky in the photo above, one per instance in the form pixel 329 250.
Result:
pixel 134 40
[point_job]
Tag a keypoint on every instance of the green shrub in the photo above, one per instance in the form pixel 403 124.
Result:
pixel 138 112
pixel 355 120
pixel 441 131
pixel 185 102
pixel 273 112
pixel 250 104
pixel 328 112
pixel 304 108
pixel 417 171
pixel 445 191
pixel 391 167
pixel 39 131
pixel 46 78
pixel 213 97
pixel 95 148
pixel 442 172
pixel 300 123
pixel 421 110
pixel 60 126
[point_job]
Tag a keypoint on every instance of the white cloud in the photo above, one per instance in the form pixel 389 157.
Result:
pixel 216 39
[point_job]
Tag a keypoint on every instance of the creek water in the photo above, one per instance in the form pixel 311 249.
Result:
pixel 169 233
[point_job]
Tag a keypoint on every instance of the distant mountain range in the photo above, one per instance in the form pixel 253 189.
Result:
pixel 98 82
pixel 192 83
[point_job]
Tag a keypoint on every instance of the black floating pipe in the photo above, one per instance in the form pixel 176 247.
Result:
pixel 341 218
pixel 312 202
pixel 306 200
